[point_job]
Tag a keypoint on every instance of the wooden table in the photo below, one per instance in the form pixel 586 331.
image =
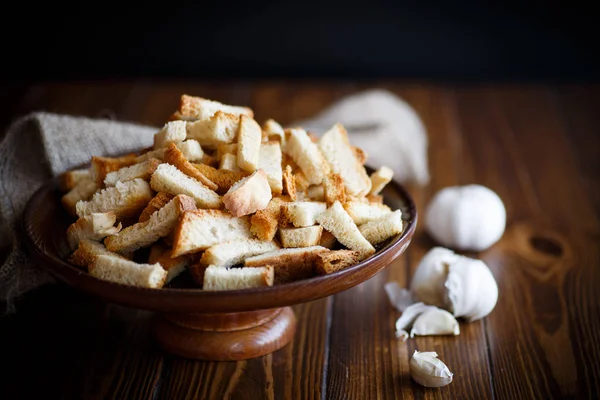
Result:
pixel 536 146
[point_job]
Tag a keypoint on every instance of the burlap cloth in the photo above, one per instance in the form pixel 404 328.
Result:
pixel 41 145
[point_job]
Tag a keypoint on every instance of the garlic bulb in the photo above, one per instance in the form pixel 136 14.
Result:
pixel 469 217
pixel 435 321
pixel 461 285
pixel 429 371
pixel 429 283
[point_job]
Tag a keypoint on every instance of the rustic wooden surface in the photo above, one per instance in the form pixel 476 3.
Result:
pixel 536 146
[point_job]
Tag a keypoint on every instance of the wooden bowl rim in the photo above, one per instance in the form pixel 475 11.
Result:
pixel 245 300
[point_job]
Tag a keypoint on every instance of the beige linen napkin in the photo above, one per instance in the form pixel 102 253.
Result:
pixel 41 145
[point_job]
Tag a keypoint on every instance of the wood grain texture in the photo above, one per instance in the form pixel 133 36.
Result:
pixel 536 146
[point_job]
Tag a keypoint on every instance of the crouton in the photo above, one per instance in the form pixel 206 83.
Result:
pixel 167 178
pixel 379 230
pixel 337 221
pixel 248 195
pixel 198 230
pixel 248 149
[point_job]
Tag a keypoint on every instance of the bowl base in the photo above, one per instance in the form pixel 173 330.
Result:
pixel 225 336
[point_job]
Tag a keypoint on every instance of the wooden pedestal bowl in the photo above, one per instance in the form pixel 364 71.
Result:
pixel 208 325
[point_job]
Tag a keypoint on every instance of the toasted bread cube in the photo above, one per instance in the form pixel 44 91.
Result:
pixel 191 149
pixel 249 139
pixel 220 128
pixel 289 264
pixel 300 237
pixel 143 170
pixel 327 240
pixel 87 251
pixel 270 161
pixel 175 157
pixel 302 213
pixel 264 223
pixel 230 253
pixel 81 192
pixel 125 199
pixel 383 228
pixel 249 195
pixel 229 163
pixel 375 198
pixel 380 178
pixel 174 266
pixel 361 213
pixel 70 179
pixel 95 226
pixel 100 166
pixel 159 201
pixel 334 189
pixel 316 192
pixel 360 155
pixel 173 132
pixel 333 261
pixel 229 148
pixel 192 107
pixel 218 278
pixel 289 183
pixel 306 154
pixel 337 221
pixel 272 130
pixel 119 270
pixel 223 178
pixel 200 229
pixel 160 224
pixel 169 179
pixel 341 157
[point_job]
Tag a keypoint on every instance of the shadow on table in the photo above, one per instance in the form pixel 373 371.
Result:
pixel 64 343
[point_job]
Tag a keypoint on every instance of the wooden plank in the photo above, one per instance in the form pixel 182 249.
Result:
pixel 546 263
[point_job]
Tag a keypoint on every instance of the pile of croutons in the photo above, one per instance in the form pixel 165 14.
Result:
pixel 236 204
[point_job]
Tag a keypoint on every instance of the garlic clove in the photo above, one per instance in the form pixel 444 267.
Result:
pixel 408 317
pixel 429 371
pixel 435 322
pixel 429 283
pixel 472 289
pixel 399 297
pixel 470 217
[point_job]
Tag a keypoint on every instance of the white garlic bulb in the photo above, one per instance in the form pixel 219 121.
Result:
pixel 469 217
pixel 429 371
pixel 435 321
pixel 461 285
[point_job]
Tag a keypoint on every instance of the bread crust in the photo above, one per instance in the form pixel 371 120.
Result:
pixel 223 178
pixel 289 183
pixel 249 195
pixel 333 261
pixel 157 202
pixel 288 267
pixel 100 166
pixel 175 157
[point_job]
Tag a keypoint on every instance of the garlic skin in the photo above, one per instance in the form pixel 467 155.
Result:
pixel 399 298
pixel 435 321
pixel 464 286
pixel 429 371
pixel 409 315
pixel 470 217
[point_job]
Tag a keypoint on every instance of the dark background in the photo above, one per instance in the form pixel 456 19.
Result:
pixel 441 40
